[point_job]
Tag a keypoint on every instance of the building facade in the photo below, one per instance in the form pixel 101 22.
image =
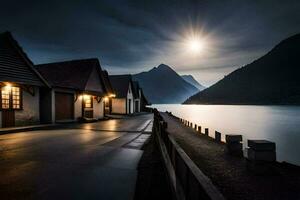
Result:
pixel 60 92
pixel 20 85
pixel 123 103
pixel 78 90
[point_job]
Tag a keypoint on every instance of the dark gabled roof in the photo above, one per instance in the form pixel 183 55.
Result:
pixel 135 89
pixel 107 83
pixel 15 66
pixel 136 93
pixel 72 74
pixel 120 84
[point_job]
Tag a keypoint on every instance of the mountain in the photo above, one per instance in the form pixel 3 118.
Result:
pixel 272 79
pixel 190 79
pixel 163 85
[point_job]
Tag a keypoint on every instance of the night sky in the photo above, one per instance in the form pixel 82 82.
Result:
pixel 134 36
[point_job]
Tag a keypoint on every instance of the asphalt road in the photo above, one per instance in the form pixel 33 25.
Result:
pixel 80 161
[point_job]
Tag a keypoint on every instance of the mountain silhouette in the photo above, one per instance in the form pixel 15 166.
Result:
pixel 163 85
pixel 191 80
pixel 271 79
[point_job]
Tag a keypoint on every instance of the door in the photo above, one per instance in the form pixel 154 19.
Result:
pixel 64 106
pixel 107 106
pixel 8 118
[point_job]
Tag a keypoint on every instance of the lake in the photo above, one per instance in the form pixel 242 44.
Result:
pixel 280 124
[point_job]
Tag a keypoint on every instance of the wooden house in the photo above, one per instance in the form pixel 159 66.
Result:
pixel 123 103
pixel 20 85
pixel 78 90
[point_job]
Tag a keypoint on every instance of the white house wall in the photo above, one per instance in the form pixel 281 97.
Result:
pixel 131 106
pixel 130 96
pixel 78 108
pixel 119 105
pixel 30 114
pixel 98 108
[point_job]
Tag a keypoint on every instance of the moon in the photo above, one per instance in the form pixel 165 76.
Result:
pixel 195 45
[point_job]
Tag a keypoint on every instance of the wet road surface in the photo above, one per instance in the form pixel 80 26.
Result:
pixel 80 161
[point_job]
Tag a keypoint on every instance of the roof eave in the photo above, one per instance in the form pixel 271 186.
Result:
pixel 26 60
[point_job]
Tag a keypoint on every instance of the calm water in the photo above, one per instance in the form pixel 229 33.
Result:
pixel 280 124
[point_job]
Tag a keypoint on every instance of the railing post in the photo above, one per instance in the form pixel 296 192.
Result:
pixel 234 144
pixel 260 155
pixel 199 129
pixel 218 136
pixel 206 131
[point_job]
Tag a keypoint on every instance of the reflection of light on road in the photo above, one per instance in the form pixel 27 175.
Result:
pixel 112 125
pixel 12 146
pixel 87 135
pixel 16 139
pixel 88 126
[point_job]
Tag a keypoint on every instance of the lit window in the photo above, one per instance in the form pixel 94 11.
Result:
pixel 5 98
pixel 88 103
pixel 10 97
pixel 16 100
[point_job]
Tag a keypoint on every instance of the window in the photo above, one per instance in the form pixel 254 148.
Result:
pixel 16 103
pixel 88 101
pixel 10 97
pixel 5 98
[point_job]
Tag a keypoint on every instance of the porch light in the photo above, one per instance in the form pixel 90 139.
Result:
pixel 7 87
pixel 112 95
pixel 106 99
pixel 86 96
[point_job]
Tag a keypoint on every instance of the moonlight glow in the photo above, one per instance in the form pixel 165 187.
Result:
pixel 195 45
pixel 194 42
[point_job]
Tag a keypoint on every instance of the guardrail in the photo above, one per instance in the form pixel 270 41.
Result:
pixel 186 179
pixel 260 154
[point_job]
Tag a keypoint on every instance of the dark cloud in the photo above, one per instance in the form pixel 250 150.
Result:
pixel 131 36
